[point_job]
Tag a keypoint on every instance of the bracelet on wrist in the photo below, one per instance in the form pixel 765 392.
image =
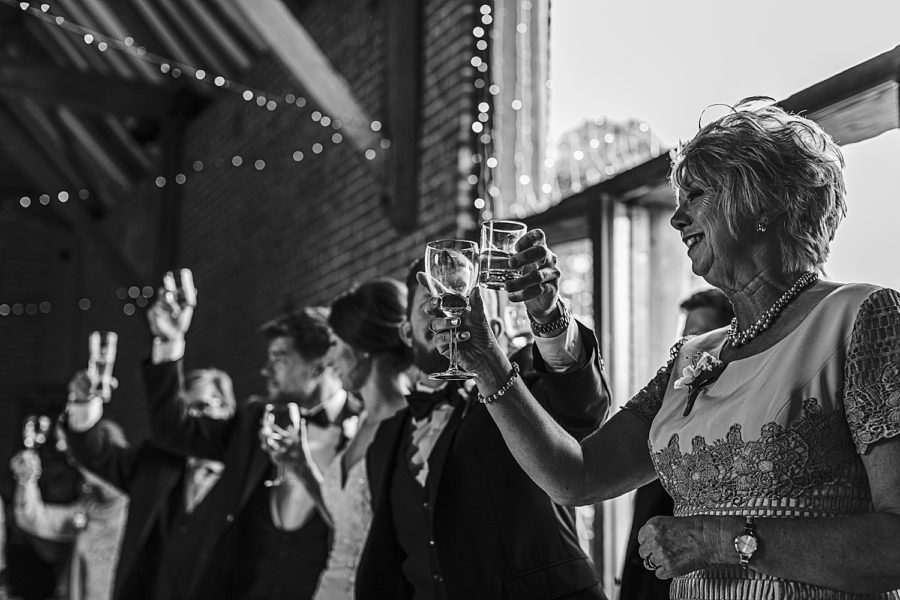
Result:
pixel 510 381
pixel 553 327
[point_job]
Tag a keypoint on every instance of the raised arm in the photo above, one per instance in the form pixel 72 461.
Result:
pixel 608 463
pixel 171 423
pixel 55 522
pixel 90 443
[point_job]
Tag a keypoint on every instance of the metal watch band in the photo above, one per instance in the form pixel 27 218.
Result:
pixel 544 330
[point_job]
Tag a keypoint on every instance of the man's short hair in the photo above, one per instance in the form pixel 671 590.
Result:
pixel 220 380
pixel 307 326
pixel 712 298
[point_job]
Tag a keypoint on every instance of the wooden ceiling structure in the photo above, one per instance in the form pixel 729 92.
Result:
pixel 92 120
pixel 95 121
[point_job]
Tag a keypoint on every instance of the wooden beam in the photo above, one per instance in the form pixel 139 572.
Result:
pixel 299 53
pixel 73 11
pixel 207 56
pixel 83 90
pixel 39 126
pixel 60 47
pixel 87 139
pixel 236 20
pixel 31 160
pixel 114 27
pixel 160 29
pixel 235 54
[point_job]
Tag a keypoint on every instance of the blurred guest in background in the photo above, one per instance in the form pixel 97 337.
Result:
pixel 170 506
pixel 371 357
pixel 280 524
pixel 453 515
pixel 702 311
pixel 95 523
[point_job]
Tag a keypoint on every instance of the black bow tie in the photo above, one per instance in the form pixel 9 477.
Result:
pixel 421 402
pixel 317 417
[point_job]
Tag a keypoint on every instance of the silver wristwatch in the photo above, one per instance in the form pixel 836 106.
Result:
pixel 747 543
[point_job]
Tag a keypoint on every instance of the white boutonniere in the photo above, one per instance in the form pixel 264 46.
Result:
pixel 350 426
pixel 703 369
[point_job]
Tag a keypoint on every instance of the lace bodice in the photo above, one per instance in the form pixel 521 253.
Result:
pixel 780 433
pixel 350 506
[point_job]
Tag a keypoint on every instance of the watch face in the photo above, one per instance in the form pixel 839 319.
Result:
pixel 745 544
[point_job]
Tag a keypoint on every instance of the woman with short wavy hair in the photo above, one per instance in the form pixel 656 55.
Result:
pixel 777 436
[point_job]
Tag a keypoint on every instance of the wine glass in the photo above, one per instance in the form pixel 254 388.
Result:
pixel 451 267
pixel 101 359
pixel 498 245
pixel 280 429
pixel 35 431
pixel 180 292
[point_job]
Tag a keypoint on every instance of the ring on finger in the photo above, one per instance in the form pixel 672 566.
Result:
pixel 649 564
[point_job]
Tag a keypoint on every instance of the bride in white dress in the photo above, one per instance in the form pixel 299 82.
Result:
pixel 371 357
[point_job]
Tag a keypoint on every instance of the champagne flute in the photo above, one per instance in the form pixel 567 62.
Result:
pixel 181 291
pixel 280 429
pixel 451 267
pixel 35 431
pixel 498 245
pixel 101 359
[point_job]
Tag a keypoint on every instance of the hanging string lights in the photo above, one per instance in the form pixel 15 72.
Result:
pixel 483 163
pixel 175 69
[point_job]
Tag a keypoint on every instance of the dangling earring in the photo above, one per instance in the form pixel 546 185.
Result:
pixel 762 226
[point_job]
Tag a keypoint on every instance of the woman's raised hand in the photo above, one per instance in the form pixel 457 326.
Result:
pixel 168 318
pixel 538 287
pixel 476 341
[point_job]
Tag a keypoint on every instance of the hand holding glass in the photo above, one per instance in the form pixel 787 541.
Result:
pixel 498 245
pixel 451 267
pixel 35 431
pixel 280 429
pixel 181 292
pixel 101 359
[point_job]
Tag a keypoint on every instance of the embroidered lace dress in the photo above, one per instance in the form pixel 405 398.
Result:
pixel 350 506
pixel 780 434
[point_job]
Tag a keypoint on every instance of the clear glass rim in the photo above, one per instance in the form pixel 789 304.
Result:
pixel 438 244
pixel 505 225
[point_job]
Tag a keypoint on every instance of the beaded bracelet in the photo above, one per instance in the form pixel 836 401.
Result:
pixel 503 389
pixel 558 324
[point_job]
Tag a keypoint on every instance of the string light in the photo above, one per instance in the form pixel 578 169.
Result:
pixel 175 69
pixel 167 66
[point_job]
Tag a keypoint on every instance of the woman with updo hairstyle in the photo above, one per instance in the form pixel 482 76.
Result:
pixel 370 356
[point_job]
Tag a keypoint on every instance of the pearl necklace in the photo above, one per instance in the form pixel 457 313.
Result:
pixel 739 338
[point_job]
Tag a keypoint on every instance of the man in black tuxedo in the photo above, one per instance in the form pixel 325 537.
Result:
pixel 281 531
pixel 169 495
pixel 455 517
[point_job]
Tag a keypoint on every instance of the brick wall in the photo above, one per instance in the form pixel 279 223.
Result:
pixel 258 241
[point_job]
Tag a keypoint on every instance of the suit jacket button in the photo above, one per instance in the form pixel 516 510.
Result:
pixel 229 517
pixel 182 529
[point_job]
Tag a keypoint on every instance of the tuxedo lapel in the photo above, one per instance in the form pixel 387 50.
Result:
pixel 382 454
pixel 441 450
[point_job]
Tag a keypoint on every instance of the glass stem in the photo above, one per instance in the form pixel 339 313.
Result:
pixel 453 364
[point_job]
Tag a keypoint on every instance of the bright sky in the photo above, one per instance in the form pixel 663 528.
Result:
pixel 663 62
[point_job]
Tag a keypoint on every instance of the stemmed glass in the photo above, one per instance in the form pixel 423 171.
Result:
pixel 35 431
pixel 280 429
pixel 452 270
pixel 180 292
pixel 101 359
